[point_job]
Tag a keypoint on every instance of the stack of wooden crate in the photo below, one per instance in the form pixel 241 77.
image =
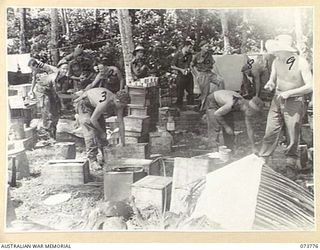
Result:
pixel 142 113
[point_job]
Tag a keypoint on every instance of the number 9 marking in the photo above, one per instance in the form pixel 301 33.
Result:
pixel 291 61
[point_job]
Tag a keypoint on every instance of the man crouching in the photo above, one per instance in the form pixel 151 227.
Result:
pixel 220 107
pixel 92 105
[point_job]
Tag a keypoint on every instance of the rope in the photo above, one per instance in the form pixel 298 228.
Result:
pixel 73 46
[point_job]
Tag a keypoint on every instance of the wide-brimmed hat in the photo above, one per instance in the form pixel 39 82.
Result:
pixel 139 47
pixel 280 43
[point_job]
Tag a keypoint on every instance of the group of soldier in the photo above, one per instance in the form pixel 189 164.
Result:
pixel 103 91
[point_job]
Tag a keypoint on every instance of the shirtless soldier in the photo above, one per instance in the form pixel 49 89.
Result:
pixel 291 78
pixel 92 105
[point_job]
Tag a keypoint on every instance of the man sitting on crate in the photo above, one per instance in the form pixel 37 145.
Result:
pixel 220 107
pixel 92 105
pixel 138 65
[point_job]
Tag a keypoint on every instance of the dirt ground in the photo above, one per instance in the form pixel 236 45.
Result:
pixel 30 193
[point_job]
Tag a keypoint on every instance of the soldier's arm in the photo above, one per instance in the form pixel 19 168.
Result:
pixel 95 81
pixel 98 111
pixel 121 125
pixel 135 70
pixel 250 131
pixel 225 109
pixel 257 81
pixel 33 81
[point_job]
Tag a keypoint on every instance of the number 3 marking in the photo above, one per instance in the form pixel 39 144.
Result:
pixel 104 96
pixel 291 61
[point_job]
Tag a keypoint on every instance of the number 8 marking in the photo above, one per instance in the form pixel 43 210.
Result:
pixel 250 62
pixel 291 61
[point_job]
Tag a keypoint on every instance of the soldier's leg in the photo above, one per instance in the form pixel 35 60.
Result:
pixel 274 126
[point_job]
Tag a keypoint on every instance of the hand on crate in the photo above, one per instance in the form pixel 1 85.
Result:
pixel 31 95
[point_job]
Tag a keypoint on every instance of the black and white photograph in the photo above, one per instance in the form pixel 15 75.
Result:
pixel 178 120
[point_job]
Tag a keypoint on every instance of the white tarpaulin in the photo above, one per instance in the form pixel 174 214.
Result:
pixel 229 68
pixel 230 195
pixel 16 61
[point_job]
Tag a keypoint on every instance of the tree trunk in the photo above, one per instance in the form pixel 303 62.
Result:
pixel 126 41
pixel 301 46
pixel 67 23
pixel 244 35
pixel 63 21
pixel 22 19
pixel 225 31
pixel 54 35
pixel 198 27
pixel 110 21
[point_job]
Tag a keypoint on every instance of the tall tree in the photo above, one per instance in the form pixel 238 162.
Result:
pixel 198 25
pixel 65 23
pixel 54 35
pixel 126 40
pixel 22 32
pixel 225 31
pixel 301 45
pixel 244 35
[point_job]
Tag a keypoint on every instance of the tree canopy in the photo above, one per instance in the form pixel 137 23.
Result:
pixel 160 31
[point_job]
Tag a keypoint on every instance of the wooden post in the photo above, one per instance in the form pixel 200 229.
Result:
pixel 54 35
pixel 22 18
pixel 126 41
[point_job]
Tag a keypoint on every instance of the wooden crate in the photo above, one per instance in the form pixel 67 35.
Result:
pixel 160 142
pixel 65 150
pixel 144 96
pixel 154 191
pixel 149 166
pixel 139 151
pixel 136 137
pixel 140 110
pixel 117 183
pixel 140 100
pixel 146 91
pixel 22 89
pixel 137 123
pixel 21 162
pixel 134 140
pixel 66 172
